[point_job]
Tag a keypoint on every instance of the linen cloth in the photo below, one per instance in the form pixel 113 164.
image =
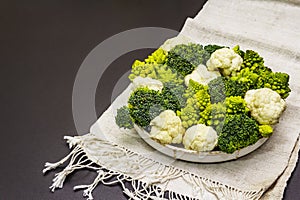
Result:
pixel 268 27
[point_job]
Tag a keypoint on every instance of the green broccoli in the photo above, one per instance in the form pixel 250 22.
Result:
pixel 217 89
pixel 222 87
pixel 123 119
pixel 144 104
pixel 265 130
pixel 184 58
pixel 172 96
pixel 238 131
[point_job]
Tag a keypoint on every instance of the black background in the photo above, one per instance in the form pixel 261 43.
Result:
pixel 43 44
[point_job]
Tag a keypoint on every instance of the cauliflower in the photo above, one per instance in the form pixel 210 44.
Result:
pixel 152 84
pixel 265 105
pixel 166 128
pixel 226 60
pixel 200 138
pixel 201 75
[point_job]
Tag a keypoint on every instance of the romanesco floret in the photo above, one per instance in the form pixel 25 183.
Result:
pixel 265 105
pixel 123 119
pixel 166 128
pixel 225 60
pixel 278 81
pixel 157 57
pixel 238 131
pixel 236 105
pixel 200 138
pixel 159 72
pixel 265 130
pixel 198 99
pixel 214 116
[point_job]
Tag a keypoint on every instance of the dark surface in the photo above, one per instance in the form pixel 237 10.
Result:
pixel 42 46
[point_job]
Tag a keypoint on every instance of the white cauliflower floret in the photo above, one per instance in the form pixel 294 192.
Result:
pixel 166 128
pixel 201 75
pixel 200 138
pixel 226 60
pixel 265 105
pixel 152 84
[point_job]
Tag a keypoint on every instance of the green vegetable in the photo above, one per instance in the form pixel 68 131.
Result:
pixel 277 81
pixel 159 72
pixel 217 89
pixel 157 57
pixel 184 58
pixel 172 96
pixel 265 130
pixel 123 119
pixel 238 131
pixel 214 115
pixel 222 87
pixel 145 104
pixel 197 99
pixel 153 67
pixel 236 105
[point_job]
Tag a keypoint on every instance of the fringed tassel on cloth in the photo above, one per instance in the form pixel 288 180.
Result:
pixel 149 179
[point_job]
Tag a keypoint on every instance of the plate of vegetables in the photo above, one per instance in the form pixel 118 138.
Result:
pixel 204 103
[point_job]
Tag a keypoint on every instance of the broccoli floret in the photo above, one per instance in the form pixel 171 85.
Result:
pixel 144 104
pixel 123 119
pixel 235 88
pixel 265 130
pixel 212 48
pixel 236 105
pixel 222 87
pixel 184 58
pixel 238 131
pixel 172 96
pixel 277 81
pixel 217 89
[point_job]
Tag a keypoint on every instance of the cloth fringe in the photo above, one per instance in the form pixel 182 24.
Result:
pixel 90 151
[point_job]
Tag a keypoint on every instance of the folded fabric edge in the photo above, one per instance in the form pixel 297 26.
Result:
pixel 90 152
pixel 276 191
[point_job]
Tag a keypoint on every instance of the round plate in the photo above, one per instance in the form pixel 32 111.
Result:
pixel 179 152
